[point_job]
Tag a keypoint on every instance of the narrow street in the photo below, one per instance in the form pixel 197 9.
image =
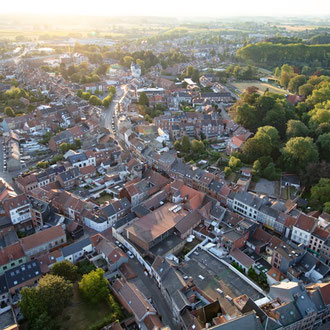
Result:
pixel 149 284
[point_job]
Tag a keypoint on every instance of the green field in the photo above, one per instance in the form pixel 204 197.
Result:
pixel 241 86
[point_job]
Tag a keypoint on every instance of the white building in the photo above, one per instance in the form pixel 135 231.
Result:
pixel 136 70
pixel 303 228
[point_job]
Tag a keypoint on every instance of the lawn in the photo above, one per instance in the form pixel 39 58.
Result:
pixel 79 315
pixel 104 198
pixel 241 86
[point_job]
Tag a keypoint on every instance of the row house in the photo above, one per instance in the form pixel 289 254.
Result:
pixel 303 228
pixel 18 209
pixel 138 190
pixel 284 254
pixel 217 97
pixel 318 238
pixel 62 137
pixel 11 256
pixel 69 178
pixel 247 204
pixel 43 241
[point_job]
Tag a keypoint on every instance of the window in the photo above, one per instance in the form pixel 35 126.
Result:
pixel 12 264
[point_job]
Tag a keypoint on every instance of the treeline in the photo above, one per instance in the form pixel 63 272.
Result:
pixel 290 138
pixel 270 55
pixel 297 81
pixel 97 54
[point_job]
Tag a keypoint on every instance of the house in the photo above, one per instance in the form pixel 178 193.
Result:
pixel 18 209
pixel 57 140
pixel 303 228
pixel 43 241
pixel 133 300
pixel 241 259
pixel 23 275
pixel 274 276
pixel 69 178
pixel 6 191
pixel 247 204
pixel 284 254
pixel 235 144
pixel 113 255
pixel 11 256
pixel 77 250
pixel 317 239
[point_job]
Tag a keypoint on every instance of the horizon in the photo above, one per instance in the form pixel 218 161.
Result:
pixel 176 9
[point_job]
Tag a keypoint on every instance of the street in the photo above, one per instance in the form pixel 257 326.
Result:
pixel 150 289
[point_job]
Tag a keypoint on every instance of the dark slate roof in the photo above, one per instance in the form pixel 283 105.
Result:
pixel 269 211
pixel 109 210
pixel 70 174
pixel 215 186
pixel 77 158
pixel 289 314
pixel 218 212
pixel 3 285
pixel 247 321
pixel 129 217
pixel 75 247
pixel 22 273
pixel 249 199
pixel 141 210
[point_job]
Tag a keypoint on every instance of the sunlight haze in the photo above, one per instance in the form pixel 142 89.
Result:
pixel 169 8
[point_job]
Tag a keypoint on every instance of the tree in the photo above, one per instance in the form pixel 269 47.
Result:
pixel 320 193
pixel 46 300
pixel 197 146
pixel 43 164
pixel 66 270
pixel 227 171
pixel 55 293
pixel 9 112
pixel 256 168
pixel 64 147
pixel 112 90
pixel 270 172
pixel 127 60
pixel 44 322
pixel 94 100
pixel 177 145
pixel 185 144
pixel 147 118
pixel 285 78
pixel 277 72
pixel 296 82
pixel 31 305
pixel 94 287
pixel 323 142
pixel 299 152
pixel 246 115
pixel 234 163
pixel 305 89
pixel 143 99
pixel 296 128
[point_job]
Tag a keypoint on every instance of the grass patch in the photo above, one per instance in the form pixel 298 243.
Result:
pixel 79 315
pixel 241 86
pixel 104 198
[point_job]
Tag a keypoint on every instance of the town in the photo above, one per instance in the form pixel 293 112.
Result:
pixel 179 179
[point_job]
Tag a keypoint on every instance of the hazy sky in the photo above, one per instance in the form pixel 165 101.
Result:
pixel 169 7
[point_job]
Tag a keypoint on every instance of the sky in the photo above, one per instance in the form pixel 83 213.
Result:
pixel 196 8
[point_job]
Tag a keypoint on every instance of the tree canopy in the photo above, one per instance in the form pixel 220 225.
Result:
pixel 94 287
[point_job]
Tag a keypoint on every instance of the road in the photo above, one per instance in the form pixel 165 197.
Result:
pixel 150 289
pixel 108 113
